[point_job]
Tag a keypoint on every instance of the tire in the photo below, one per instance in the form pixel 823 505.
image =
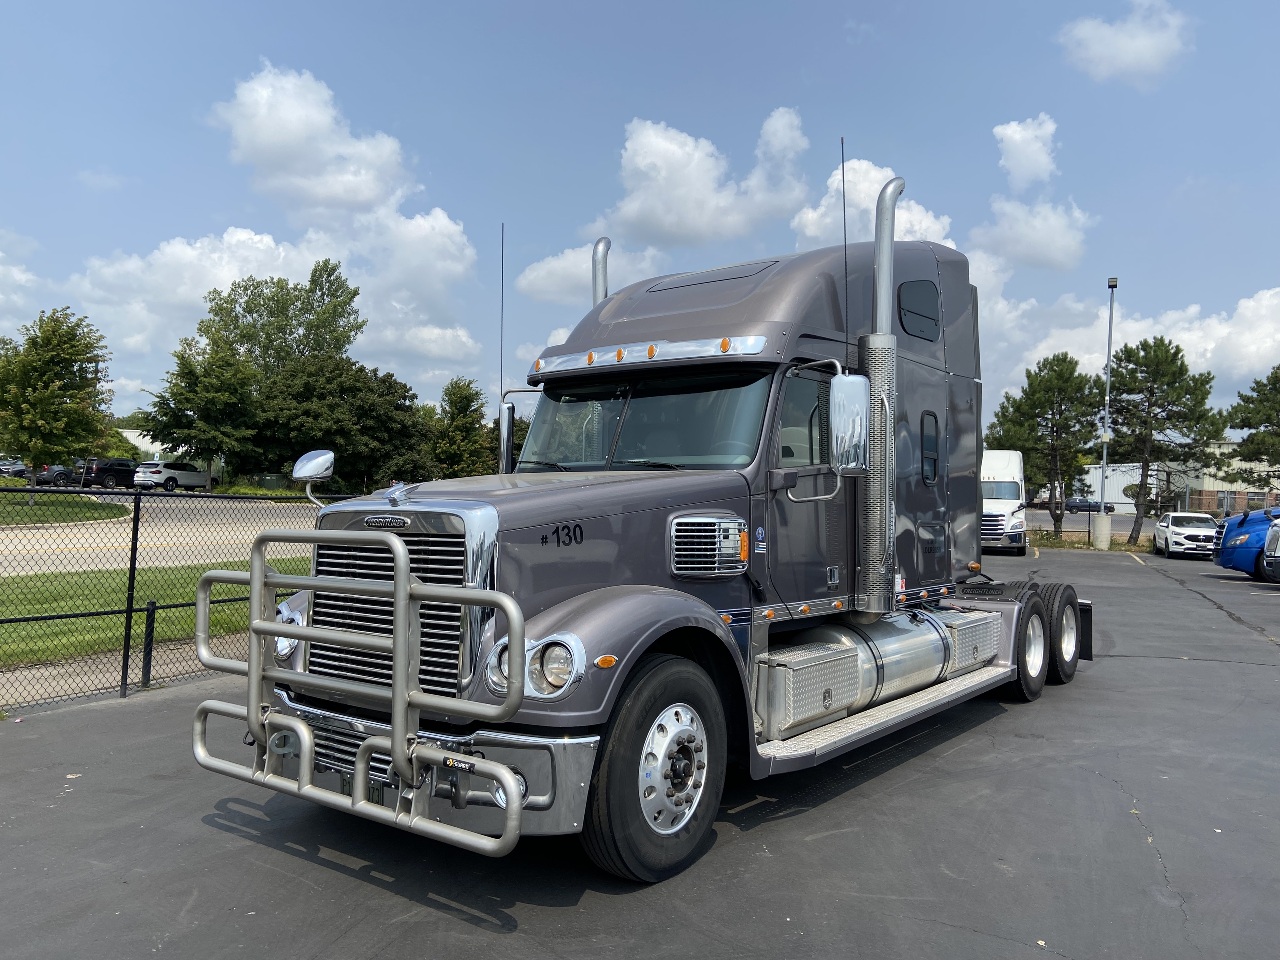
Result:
pixel 1260 570
pixel 61 480
pixel 1063 608
pixel 1031 640
pixel 109 482
pixel 1155 545
pixel 1073 510
pixel 632 829
pixel 171 484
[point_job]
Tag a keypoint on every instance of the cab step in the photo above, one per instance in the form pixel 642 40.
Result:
pixel 808 749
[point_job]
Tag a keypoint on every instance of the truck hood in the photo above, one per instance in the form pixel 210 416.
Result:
pixel 529 499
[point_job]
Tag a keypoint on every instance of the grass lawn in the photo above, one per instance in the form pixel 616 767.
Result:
pixel 55 508
pixel 52 593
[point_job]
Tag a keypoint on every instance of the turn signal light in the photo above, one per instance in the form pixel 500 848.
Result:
pixel 607 661
pixel 537 365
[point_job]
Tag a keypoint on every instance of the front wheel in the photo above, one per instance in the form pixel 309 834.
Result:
pixel 109 482
pixel 171 484
pixel 657 786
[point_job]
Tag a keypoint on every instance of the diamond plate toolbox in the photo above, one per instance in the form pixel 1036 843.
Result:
pixel 974 636
pixel 809 684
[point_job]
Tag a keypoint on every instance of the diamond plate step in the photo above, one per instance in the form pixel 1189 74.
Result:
pixel 816 745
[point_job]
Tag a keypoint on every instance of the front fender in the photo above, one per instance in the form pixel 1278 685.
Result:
pixel 622 622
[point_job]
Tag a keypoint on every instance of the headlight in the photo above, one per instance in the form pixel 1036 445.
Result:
pixel 557 664
pixel 1017 525
pixel 552 665
pixel 1236 541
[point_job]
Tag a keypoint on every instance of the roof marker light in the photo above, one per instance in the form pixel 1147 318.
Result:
pixel 653 351
pixel 537 365
pixel 620 354
pixel 591 358
pixel 724 345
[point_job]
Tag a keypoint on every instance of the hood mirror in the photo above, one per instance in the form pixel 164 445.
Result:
pixel 313 466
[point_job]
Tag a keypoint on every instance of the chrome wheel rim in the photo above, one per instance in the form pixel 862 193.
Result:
pixel 1035 646
pixel 1067 643
pixel 673 766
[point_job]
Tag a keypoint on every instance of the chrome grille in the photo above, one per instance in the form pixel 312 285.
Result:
pixel 336 750
pixel 1217 538
pixel 434 558
pixel 992 526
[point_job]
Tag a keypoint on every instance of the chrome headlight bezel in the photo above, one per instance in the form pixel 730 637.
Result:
pixel 537 686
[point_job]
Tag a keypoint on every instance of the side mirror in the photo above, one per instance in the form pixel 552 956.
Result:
pixel 506 438
pixel 849 415
pixel 316 465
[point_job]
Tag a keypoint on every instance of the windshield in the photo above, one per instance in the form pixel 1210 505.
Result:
pixel 1191 520
pixel 1000 490
pixel 696 422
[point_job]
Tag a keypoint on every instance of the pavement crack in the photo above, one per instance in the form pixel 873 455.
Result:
pixel 981 933
pixel 1152 656
pixel 1164 867
pixel 1233 616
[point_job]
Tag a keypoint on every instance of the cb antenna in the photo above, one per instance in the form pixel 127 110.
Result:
pixel 502 304
pixel 844 225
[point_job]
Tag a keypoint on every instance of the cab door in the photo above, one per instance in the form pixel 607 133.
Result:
pixel 805 541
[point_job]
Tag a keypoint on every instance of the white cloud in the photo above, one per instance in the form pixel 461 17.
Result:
pixel 1026 150
pixel 821 225
pixel 1041 234
pixel 565 278
pixel 345 191
pixel 679 192
pixel 16 286
pixel 1136 49
pixel 530 352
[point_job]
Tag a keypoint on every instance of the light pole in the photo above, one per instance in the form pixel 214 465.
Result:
pixel 1104 525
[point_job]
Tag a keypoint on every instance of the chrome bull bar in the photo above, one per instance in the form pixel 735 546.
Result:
pixel 411 759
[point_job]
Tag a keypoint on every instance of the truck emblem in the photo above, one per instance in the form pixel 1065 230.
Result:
pixel 385 523
pixel 760 534
pixel 827 699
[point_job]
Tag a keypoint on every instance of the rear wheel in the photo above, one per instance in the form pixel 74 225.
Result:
pixel 171 484
pixel 109 482
pixel 657 786
pixel 1031 648
pixel 61 480
pixel 1063 610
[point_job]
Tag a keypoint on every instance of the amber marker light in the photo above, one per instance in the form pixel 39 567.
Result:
pixel 768 614
pixel 652 351
pixel 619 355
pixel 804 608
pixel 724 345
pixel 902 598
pixel 537 365
pixel 607 661
pixel 591 358
pixel 944 591
pixel 974 566
pixel 924 594
pixel 726 618
pixel 839 604
pixel 742 546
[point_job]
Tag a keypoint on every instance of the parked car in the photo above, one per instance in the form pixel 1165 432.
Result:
pixel 171 474
pixel 108 472
pixel 12 468
pixel 1188 534
pixel 1239 541
pixel 57 475
pixel 1081 505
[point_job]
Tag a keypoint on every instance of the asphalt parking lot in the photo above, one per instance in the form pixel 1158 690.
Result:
pixel 1133 813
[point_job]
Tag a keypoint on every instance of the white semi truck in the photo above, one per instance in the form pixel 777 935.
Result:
pixel 743 530
pixel 1004 502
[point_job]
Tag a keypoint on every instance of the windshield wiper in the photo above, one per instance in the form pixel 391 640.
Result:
pixel 652 464
pixel 543 463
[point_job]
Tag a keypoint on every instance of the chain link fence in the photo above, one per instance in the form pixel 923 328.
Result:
pixel 97 590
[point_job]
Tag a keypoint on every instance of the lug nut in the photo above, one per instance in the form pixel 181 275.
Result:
pixel 697 784
pixel 679 801
pixel 702 765
pixel 670 793
pixel 666 774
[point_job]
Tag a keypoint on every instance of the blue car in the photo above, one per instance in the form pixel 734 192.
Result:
pixel 1239 541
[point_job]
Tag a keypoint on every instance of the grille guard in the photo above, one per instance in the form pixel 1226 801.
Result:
pixel 405 700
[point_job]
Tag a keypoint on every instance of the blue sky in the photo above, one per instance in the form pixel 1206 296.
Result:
pixel 153 152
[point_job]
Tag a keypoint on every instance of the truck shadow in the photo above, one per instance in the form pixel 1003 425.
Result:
pixel 549 872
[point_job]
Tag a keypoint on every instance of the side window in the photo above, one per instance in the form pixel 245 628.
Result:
pixel 929 448
pixel 804 434
pixel 919 311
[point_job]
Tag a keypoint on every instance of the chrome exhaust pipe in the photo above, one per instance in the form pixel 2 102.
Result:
pixel 600 270
pixel 875 589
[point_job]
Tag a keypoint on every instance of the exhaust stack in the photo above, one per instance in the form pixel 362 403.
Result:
pixel 875 587
pixel 600 270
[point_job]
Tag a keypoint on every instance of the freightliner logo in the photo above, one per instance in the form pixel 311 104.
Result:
pixel 385 523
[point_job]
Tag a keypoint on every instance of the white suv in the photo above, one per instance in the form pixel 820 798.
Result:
pixel 171 474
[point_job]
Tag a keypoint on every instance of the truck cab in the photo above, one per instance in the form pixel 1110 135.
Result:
pixel 743 529
pixel 1239 543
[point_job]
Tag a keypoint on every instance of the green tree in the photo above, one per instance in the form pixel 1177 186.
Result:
pixel 1053 420
pixel 1160 414
pixel 1258 411
pixel 462 444
pixel 53 406
pixel 206 408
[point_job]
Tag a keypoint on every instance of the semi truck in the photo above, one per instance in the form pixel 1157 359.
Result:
pixel 743 531
pixel 1004 502
pixel 1239 542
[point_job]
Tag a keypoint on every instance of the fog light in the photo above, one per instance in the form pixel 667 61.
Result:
pixel 500 795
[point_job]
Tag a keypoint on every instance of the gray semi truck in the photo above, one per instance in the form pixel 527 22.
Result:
pixel 744 529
